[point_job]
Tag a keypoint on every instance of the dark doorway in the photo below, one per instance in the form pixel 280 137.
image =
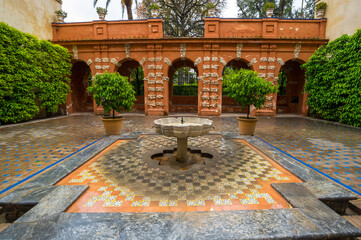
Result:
pixel 81 77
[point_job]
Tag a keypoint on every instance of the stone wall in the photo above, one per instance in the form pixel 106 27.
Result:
pixel 30 16
pixel 343 17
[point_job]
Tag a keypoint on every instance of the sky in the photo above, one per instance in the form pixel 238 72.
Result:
pixel 83 10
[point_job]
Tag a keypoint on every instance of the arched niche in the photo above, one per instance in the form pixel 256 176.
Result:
pixel 291 81
pixel 81 77
pixel 183 86
pixel 229 105
pixel 134 72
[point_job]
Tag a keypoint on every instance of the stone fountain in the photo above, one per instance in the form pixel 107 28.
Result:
pixel 182 128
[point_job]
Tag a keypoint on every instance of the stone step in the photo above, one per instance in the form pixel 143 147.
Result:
pixel 354 220
pixel 4 225
pixel 355 205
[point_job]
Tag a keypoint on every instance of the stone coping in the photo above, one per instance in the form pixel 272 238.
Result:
pixel 309 218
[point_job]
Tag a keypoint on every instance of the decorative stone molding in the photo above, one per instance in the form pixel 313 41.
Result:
pixel 75 52
pixel 215 82
pixel 159 96
pixel 159 67
pixel 151 75
pixel 254 60
pixel 215 66
pixel 206 74
pixel 223 61
pixel 269 98
pixel 97 60
pixel 262 67
pixel 151 104
pixel 206 67
pixel 214 105
pixel 158 59
pixel 271 59
pixel 298 47
pixel 262 75
pixel 151 66
pixel 160 104
pixel 205 104
pixel 263 59
pixel 151 82
pixel 98 67
pixel 205 98
pixel 183 50
pixel 151 97
pixel 159 82
pixel 159 89
pixel 89 62
pixel 272 67
pixel 158 74
pixel 205 89
pixel 200 78
pixel 214 97
pixel 151 89
pixel 206 81
pixel 214 89
pixel 207 59
pixel 151 59
pixel 167 61
pixel 142 61
pixel 106 67
pixel 145 79
pixel 105 60
pixel 165 78
pixel 127 50
pixel 239 50
pixel 220 79
pixel 198 61
pixel 214 59
pixel 214 75
pixel 270 75
pixel 280 61
pixel 275 79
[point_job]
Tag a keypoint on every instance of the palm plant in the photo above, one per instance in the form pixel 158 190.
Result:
pixel 125 4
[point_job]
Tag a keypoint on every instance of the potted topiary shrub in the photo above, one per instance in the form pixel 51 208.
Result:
pixel 269 7
pixel 61 15
pixel 320 9
pixel 247 89
pixel 154 9
pixel 101 12
pixel 211 8
pixel 114 93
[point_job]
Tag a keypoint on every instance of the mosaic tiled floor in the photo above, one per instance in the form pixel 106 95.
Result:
pixel 124 180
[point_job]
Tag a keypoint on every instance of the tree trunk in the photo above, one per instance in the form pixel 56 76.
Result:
pixel 129 10
pixel 280 10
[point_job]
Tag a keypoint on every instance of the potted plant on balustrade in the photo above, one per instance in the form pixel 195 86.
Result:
pixel 211 8
pixel 154 9
pixel 61 15
pixel 102 12
pixel 247 89
pixel 269 7
pixel 320 9
pixel 114 93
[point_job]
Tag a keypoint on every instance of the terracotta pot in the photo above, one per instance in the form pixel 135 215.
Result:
pixel 113 126
pixel 212 12
pixel 320 13
pixel 247 125
pixel 155 13
pixel 101 16
pixel 60 18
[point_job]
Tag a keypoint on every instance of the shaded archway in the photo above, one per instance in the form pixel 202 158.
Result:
pixel 81 77
pixel 291 80
pixel 228 104
pixel 183 86
pixel 134 72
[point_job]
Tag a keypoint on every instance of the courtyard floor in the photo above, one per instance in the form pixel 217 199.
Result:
pixel 30 149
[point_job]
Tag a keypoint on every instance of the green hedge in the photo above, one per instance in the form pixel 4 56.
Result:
pixel 185 90
pixel 333 76
pixel 33 73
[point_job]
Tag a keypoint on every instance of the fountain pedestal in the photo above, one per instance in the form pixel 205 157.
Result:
pixel 182 128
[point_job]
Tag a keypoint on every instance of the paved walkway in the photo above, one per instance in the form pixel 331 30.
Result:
pixel 27 150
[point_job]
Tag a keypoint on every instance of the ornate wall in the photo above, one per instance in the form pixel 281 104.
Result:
pixel 30 16
pixel 265 45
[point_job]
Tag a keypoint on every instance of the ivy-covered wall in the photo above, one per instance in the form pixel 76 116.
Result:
pixel 33 73
pixel 333 77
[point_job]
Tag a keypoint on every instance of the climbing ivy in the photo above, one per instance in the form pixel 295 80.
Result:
pixel 333 80
pixel 33 75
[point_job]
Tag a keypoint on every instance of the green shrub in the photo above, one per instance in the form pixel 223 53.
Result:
pixel 32 71
pixel 246 88
pixel 333 80
pixel 113 92
pixel 185 90
pixel 321 5
pixel 269 5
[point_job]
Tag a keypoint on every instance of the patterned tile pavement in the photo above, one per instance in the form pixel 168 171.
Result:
pixel 125 180
pixel 330 148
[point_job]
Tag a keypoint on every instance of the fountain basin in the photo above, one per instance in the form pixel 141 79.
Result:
pixel 191 127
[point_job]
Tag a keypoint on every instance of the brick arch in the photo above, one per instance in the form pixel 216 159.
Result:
pixel 79 99
pixel 181 103
pixel 238 63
